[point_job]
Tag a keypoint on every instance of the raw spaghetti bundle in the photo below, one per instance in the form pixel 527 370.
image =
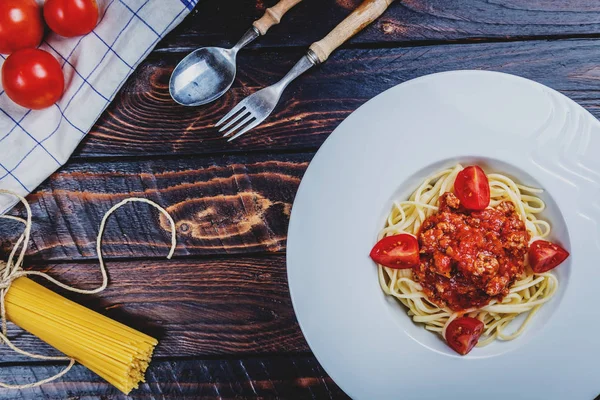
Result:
pixel 114 351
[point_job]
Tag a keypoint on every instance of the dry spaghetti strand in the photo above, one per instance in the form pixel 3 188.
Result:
pixel 114 351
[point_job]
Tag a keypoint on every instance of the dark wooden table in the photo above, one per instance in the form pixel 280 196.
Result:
pixel 221 308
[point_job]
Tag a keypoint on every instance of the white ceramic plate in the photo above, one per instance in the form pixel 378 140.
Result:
pixel 365 340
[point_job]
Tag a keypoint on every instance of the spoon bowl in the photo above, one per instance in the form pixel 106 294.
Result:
pixel 203 76
pixel 207 73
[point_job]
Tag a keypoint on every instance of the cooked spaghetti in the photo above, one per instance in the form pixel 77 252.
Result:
pixel 523 293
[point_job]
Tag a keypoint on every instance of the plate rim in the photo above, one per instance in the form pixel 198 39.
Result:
pixel 293 220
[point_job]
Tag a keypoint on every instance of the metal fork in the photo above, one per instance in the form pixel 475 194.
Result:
pixel 255 108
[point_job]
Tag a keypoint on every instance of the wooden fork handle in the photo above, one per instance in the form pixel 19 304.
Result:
pixel 273 15
pixel 366 13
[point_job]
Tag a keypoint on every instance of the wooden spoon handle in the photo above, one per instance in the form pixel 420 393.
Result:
pixel 273 15
pixel 366 13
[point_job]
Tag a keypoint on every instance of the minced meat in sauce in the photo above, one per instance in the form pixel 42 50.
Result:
pixel 468 258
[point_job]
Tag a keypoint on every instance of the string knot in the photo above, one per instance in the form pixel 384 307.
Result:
pixel 8 274
pixel 4 283
pixel 11 270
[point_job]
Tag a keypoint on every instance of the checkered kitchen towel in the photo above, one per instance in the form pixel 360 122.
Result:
pixel 34 144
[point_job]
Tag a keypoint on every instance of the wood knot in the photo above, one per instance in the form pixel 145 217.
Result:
pixel 387 28
pixel 184 228
pixel 348 4
pixel 232 220
pixel 391 27
pixel 265 276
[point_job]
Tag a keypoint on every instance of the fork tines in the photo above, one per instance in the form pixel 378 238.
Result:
pixel 239 113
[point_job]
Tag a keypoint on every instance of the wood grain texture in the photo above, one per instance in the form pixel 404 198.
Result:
pixel 221 205
pixel 145 121
pixel 299 377
pixel 223 302
pixel 218 23
pixel 195 308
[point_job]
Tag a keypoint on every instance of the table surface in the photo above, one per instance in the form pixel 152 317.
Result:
pixel 221 308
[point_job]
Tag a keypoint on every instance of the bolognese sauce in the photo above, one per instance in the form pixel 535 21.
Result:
pixel 468 258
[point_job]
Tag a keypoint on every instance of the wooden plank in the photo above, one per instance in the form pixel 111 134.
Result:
pixel 299 377
pixel 221 205
pixel 234 306
pixel 145 121
pixel 217 23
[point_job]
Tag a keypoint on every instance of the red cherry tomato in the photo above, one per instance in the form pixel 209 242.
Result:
pixel 543 256
pixel 472 188
pixel 398 251
pixel 463 334
pixel 71 17
pixel 33 78
pixel 21 25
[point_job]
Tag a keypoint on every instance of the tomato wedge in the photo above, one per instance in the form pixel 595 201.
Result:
pixel 472 188
pixel 544 256
pixel 463 334
pixel 398 251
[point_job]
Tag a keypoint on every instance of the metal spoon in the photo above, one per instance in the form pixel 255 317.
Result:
pixel 207 73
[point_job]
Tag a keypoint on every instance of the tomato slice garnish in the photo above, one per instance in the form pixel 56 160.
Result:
pixel 544 256
pixel 472 188
pixel 398 251
pixel 463 334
